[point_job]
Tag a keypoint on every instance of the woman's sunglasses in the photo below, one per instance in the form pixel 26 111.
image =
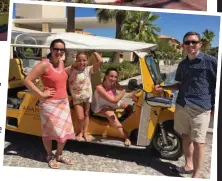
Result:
pixel 62 50
pixel 189 42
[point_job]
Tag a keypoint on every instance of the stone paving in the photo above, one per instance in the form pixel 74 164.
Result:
pixel 27 151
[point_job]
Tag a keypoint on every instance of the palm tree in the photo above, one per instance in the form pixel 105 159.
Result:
pixel 138 26
pixel 140 22
pixel 4 5
pixel 71 23
pixel 71 15
pixel 105 15
pixel 70 19
pixel 208 37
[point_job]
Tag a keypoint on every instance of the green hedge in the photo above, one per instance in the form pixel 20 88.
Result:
pixel 126 69
pixel 3 18
pixel 107 54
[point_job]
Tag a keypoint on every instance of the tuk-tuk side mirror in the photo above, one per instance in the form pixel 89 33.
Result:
pixel 133 85
pixel 163 76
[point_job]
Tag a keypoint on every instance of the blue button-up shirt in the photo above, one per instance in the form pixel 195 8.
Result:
pixel 198 81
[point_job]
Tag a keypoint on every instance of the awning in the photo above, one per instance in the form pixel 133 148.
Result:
pixel 76 41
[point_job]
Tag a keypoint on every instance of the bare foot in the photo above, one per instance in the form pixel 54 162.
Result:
pixel 87 137
pixel 79 137
pixel 127 142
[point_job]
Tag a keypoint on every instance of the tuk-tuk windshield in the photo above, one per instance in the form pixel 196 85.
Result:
pixel 154 69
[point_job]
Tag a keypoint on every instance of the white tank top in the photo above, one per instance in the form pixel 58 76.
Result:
pixel 98 103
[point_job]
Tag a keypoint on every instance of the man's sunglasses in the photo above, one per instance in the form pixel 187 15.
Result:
pixel 189 42
pixel 58 49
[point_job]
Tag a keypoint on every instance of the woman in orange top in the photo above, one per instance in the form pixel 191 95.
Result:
pixel 54 106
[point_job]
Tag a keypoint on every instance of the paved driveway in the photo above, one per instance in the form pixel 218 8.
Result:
pixel 27 151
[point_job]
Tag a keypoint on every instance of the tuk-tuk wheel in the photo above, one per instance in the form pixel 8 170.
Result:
pixel 173 150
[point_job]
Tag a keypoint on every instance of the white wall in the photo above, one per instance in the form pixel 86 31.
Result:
pixel 40 11
pixel 29 10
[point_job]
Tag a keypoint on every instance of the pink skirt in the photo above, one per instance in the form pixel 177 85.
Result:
pixel 56 120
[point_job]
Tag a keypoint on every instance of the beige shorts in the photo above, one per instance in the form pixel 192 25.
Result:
pixel 192 121
pixel 81 101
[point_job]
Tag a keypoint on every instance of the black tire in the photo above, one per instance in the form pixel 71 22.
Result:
pixel 175 149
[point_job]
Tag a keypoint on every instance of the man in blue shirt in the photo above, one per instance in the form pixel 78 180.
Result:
pixel 196 82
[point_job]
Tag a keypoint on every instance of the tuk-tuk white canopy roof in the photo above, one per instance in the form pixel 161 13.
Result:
pixel 76 41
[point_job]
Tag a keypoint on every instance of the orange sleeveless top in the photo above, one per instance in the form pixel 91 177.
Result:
pixel 55 79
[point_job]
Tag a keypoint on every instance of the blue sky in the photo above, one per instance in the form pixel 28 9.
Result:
pixel 171 24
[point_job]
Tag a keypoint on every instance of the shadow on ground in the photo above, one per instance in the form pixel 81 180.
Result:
pixel 31 147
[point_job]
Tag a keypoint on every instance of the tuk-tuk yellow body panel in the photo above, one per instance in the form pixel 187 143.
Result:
pixel 166 114
pixel 153 121
pixel 12 113
pixel 16 76
pixel 146 77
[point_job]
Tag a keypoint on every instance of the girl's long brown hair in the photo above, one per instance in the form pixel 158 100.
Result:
pixel 108 71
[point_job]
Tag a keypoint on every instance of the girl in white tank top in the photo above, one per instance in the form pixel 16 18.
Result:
pixel 106 100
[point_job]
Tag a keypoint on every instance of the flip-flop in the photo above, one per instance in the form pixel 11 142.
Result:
pixel 182 170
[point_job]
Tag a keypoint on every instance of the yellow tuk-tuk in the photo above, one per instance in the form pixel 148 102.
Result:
pixel 149 126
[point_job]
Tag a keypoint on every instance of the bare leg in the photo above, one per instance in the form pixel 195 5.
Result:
pixel 52 163
pixel 188 152
pixel 86 122
pixel 115 123
pixel 48 146
pixel 198 157
pixel 60 147
pixel 80 115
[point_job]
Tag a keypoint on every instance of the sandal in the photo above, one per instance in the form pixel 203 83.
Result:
pixel 52 163
pixel 64 159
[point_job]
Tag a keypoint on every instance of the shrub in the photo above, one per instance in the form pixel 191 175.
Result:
pixel 126 69
pixel 107 54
